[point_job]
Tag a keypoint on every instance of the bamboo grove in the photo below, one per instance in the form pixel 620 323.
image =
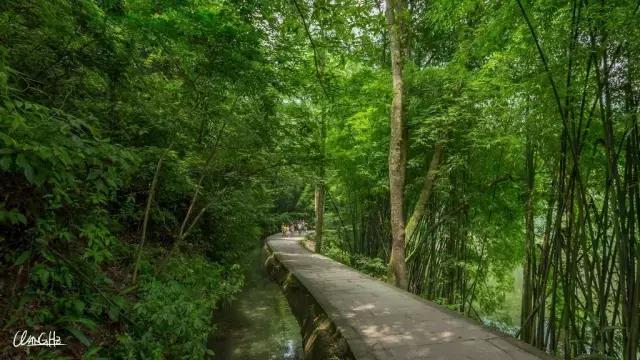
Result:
pixel 588 259
pixel 522 131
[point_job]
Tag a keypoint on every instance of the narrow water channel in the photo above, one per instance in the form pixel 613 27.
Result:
pixel 258 324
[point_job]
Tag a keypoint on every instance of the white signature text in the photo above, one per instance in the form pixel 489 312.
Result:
pixel 44 339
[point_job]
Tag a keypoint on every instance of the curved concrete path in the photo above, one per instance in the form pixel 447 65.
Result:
pixel 380 321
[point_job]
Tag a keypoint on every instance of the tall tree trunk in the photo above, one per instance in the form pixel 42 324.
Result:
pixel 528 297
pixel 425 193
pixel 319 208
pixel 396 12
pixel 320 191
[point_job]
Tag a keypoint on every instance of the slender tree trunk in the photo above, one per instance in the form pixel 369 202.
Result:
pixel 396 12
pixel 147 211
pixel 632 160
pixel 319 208
pixel 425 193
pixel 527 327
pixel 320 190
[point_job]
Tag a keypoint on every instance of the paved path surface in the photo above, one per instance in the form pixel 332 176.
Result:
pixel 382 322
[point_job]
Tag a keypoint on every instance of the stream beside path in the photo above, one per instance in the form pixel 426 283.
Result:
pixel 258 324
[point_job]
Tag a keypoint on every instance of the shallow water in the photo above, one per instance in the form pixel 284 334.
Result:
pixel 258 324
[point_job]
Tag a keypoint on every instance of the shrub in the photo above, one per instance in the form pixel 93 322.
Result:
pixel 372 266
pixel 182 300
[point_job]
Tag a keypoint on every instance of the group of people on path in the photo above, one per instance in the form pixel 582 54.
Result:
pixel 295 227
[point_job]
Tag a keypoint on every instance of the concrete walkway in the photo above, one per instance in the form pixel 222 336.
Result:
pixel 380 321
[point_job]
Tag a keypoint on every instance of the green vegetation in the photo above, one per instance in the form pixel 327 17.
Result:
pixel 146 147
pixel 98 101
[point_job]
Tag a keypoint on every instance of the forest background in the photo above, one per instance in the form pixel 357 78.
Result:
pixel 147 146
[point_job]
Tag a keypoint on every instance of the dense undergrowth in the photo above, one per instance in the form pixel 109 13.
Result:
pixel 102 104
pixel 70 242
pixel 372 266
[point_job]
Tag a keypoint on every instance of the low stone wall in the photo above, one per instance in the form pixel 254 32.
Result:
pixel 321 339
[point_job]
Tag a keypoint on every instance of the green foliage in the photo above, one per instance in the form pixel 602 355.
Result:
pixel 374 267
pixel 63 176
pixel 371 266
pixel 183 301
pixel 337 254
pixel 92 95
